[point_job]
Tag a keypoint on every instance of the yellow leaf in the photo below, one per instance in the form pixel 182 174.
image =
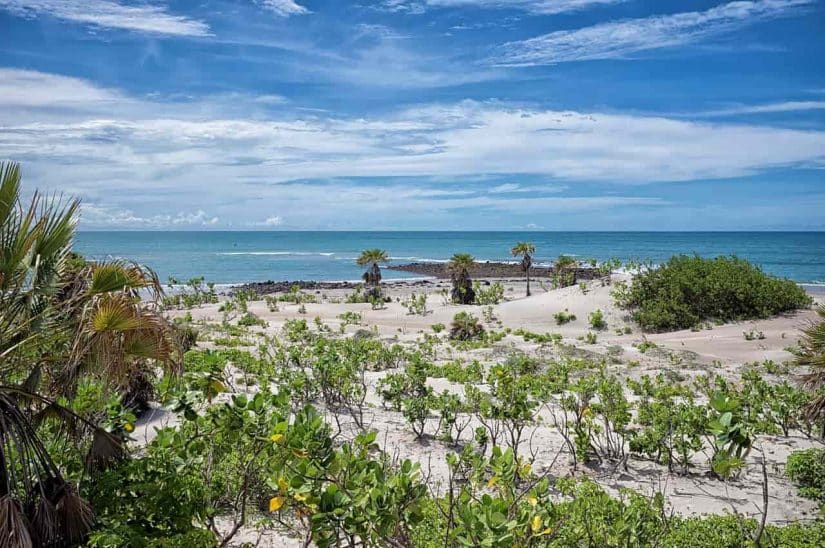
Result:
pixel 283 486
pixel 535 524
pixel 300 497
pixel 275 503
pixel 493 481
pixel 277 438
pixel 129 427
pixel 532 500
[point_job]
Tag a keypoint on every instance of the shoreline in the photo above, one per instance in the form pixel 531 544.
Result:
pixel 494 270
pixel 431 273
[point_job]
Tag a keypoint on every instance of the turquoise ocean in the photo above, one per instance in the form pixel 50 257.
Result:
pixel 236 257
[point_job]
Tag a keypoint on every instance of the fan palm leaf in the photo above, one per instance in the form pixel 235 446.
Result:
pixel 812 354
pixel 525 250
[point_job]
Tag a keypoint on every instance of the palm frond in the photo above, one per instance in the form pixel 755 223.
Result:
pixel 76 516
pixel 14 530
pixel 372 256
pixel 105 450
pixel 118 276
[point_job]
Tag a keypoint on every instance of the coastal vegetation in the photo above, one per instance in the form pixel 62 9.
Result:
pixel 370 258
pixel 565 271
pixel 812 354
pixel 65 323
pixel 525 250
pixel 475 433
pixel 459 268
pixel 688 290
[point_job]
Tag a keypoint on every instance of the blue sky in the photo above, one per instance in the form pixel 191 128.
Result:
pixel 420 114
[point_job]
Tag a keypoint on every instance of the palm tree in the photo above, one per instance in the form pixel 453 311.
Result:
pixel 34 242
pixel 370 258
pixel 459 268
pixel 812 354
pixel 59 318
pixel 526 251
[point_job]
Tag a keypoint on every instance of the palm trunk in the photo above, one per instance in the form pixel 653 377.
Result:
pixel 528 282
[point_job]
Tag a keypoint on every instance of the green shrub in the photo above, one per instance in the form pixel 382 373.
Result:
pixel 249 319
pixel 564 317
pixel 147 499
pixel 466 327
pixel 596 319
pixel 731 531
pixel 807 470
pixel 416 304
pixel 491 295
pixel 689 289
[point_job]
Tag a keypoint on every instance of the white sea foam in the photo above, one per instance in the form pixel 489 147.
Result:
pixel 282 253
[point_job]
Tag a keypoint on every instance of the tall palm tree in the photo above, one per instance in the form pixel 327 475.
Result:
pixel 459 268
pixel 54 312
pixel 525 250
pixel 370 258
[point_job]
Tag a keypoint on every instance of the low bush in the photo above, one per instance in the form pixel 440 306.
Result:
pixel 466 327
pixel 596 319
pixel 493 294
pixel 688 290
pixel 807 470
pixel 249 319
pixel 564 317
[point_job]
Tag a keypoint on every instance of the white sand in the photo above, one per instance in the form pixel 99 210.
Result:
pixel 722 349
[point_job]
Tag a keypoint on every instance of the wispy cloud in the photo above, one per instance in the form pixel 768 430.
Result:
pixel 618 39
pixel 533 6
pixel 771 108
pixel 110 14
pixel 28 88
pixel 240 168
pixel 284 8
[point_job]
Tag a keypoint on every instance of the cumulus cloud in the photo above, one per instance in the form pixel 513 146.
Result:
pixel 93 216
pixel 618 39
pixel 110 14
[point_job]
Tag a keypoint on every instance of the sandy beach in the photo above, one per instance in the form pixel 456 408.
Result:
pixel 681 356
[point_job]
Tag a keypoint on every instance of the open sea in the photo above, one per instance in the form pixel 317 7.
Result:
pixel 236 257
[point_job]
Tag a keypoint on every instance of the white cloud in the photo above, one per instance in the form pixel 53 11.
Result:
pixel 110 14
pixel 27 88
pixel 284 8
pixel 618 39
pixel 533 6
pixel 273 221
pixel 510 188
pixel 461 139
pixel 92 215
pixel 787 106
pixel 160 153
